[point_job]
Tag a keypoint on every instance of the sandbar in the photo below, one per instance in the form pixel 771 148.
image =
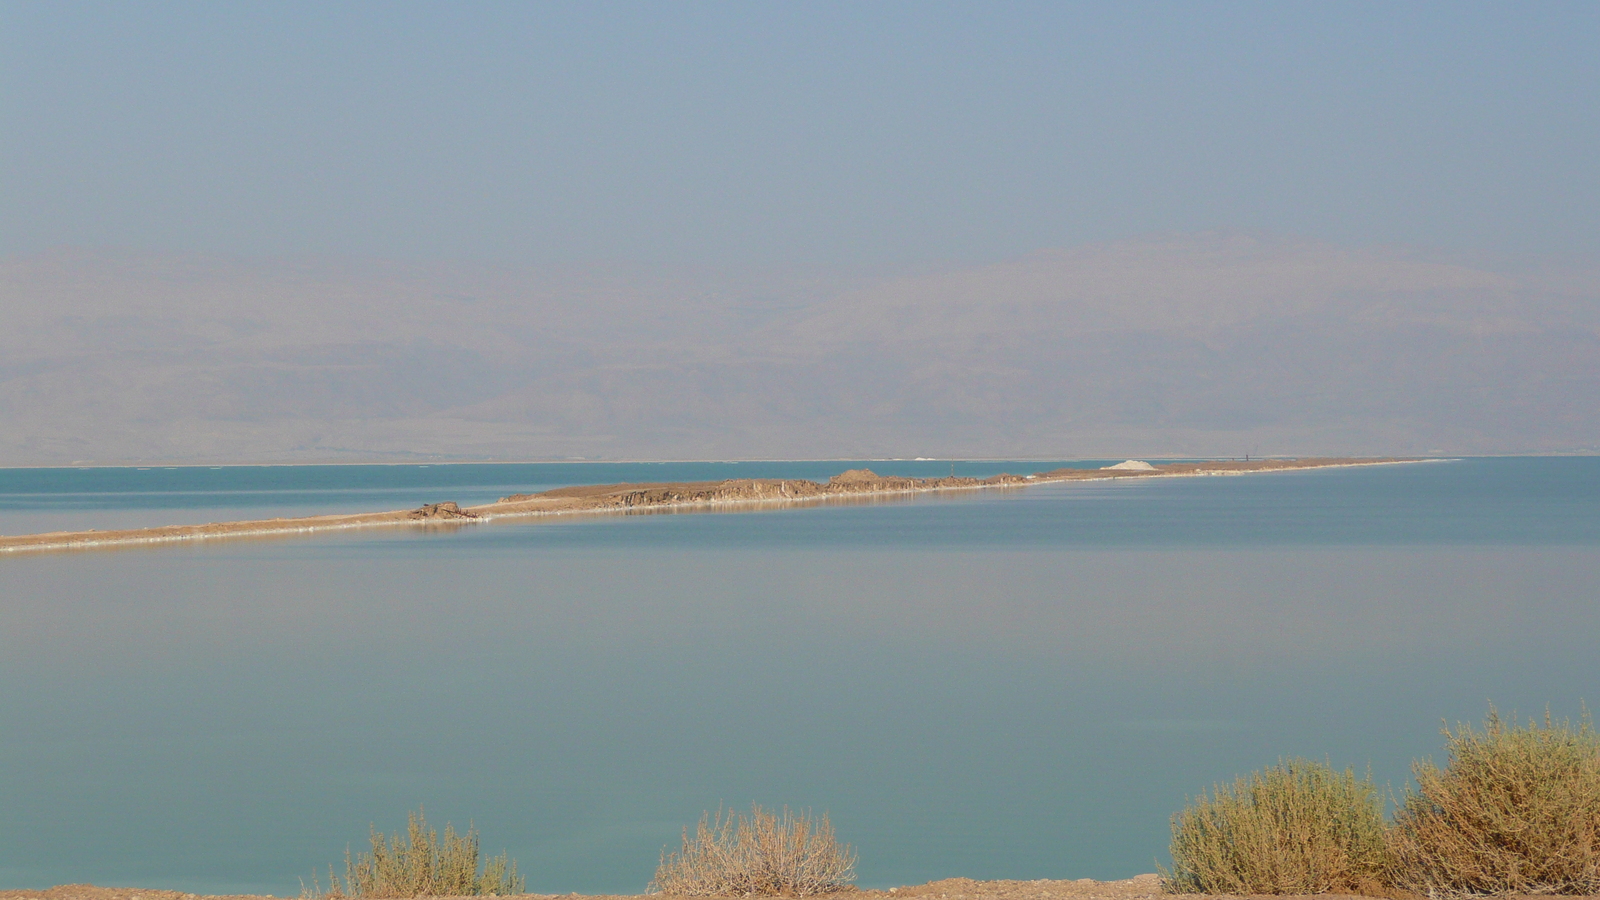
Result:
pixel 855 485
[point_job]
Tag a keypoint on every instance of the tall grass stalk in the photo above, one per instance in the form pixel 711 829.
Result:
pixel 1516 810
pixel 1295 828
pixel 420 864
pixel 762 853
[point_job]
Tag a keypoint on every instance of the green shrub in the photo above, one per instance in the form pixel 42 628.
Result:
pixel 1516 810
pixel 421 864
pixel 1295 828
pixel 763 853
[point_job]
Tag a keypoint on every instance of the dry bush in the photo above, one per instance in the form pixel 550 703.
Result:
pixel 1295 828
pixel 1516 810
pixel 421 865
pixel 762 853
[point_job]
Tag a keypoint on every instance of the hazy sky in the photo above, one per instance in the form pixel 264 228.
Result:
pixel 820 135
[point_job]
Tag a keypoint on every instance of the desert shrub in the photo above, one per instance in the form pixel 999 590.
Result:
pixel 1295 828
pixel 1516 810
pixel 763 853
pixel 421 864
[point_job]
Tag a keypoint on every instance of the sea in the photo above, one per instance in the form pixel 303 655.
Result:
pixel 1010 684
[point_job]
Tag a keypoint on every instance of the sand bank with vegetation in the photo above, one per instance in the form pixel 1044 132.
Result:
pixel 694 496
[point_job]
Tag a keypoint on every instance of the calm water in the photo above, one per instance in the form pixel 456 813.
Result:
pixel 1021 684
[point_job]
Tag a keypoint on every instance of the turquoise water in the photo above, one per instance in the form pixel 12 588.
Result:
pixel 1004 684
pixel 38 500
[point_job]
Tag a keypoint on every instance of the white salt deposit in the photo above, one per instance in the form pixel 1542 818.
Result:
pixel 1134 464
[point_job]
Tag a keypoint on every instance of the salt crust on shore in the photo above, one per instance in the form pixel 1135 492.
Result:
pixel 855 485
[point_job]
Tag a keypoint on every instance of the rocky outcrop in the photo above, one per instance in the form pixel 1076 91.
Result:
pixel 446 510
pixel 749 490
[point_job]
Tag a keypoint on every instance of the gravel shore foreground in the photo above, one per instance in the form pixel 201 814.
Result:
pixel 1142 887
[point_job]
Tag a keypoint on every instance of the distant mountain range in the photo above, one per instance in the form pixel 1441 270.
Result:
pixel 1186 345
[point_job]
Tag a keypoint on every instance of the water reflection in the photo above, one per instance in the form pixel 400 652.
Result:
pixel 224 720
pixel 987 687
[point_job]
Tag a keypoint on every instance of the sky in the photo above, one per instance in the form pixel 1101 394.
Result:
pixel 353 231
pixel 819 135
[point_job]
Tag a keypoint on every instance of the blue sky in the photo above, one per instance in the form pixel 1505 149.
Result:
pixel 816 135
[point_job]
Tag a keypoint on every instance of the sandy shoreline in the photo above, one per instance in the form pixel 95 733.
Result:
pixel 858 485
pixel 1142 887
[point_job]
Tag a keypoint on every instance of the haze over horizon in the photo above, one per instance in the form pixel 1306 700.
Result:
pixel 403 231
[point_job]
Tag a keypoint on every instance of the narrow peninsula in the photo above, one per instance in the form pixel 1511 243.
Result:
pixel 857 485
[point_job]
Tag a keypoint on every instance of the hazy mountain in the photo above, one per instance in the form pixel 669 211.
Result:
pixel 1182 345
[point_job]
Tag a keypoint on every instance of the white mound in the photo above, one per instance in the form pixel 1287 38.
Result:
pixel 1134 464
